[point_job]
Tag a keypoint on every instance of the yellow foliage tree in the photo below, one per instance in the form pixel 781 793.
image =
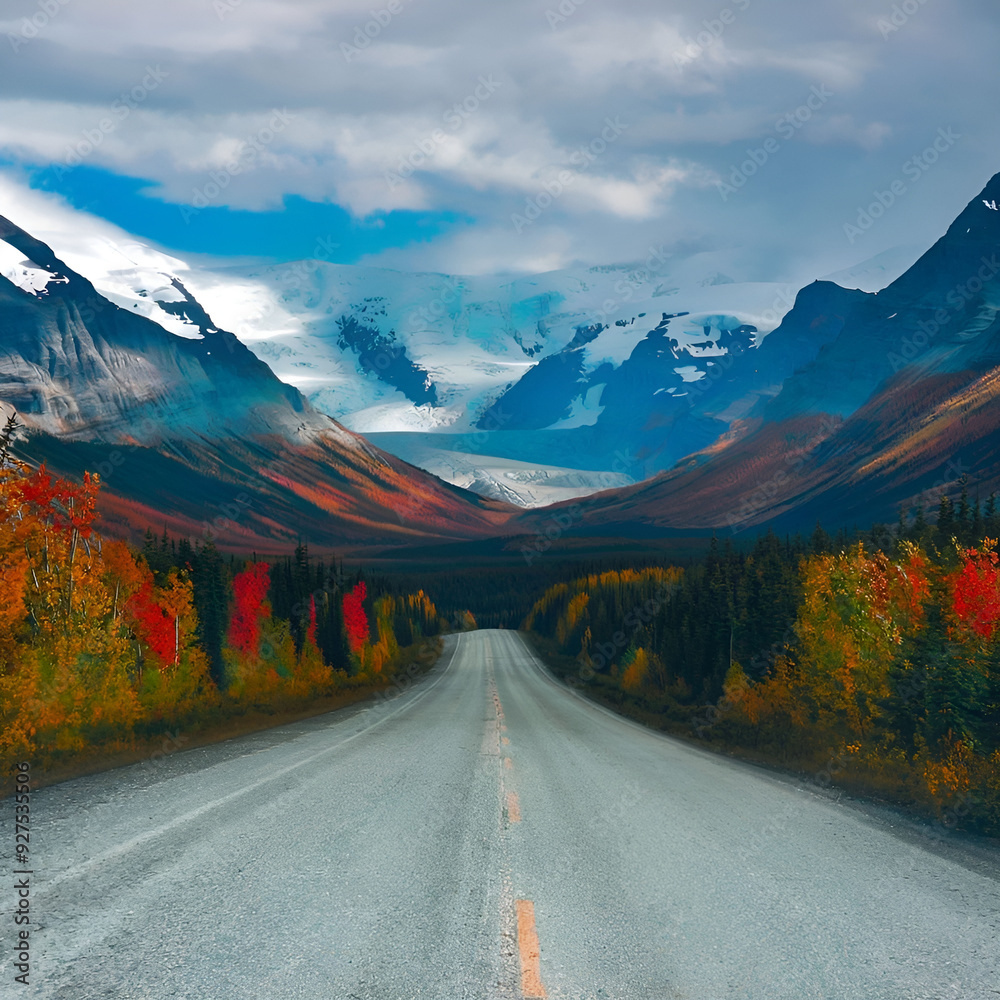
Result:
pixel 635 673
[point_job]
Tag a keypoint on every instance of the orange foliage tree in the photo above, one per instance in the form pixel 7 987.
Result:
pixel 75 613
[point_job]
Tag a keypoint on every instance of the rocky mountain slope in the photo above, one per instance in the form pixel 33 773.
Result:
pixel 900 402
pixel 189 428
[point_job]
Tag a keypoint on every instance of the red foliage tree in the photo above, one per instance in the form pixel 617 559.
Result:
pixel 152 623
pixel 355 618
pixel 64 505
pixel 249 611
pixel 976 592
pixel 311 630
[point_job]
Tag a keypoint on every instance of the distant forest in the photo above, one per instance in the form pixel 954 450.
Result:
pixel 873 661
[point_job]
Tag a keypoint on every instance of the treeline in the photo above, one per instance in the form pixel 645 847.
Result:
pixel 101 645
pixel 501 589
pixel 873 662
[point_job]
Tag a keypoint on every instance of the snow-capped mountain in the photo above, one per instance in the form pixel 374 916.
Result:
pixel 899 404
pixel 387 351
pixel 526 389
pixel 190 428
pixel 473 371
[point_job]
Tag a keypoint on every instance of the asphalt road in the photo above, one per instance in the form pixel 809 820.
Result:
pixel 489 834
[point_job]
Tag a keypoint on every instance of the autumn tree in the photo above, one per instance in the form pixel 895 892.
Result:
pixel 355 617
pixel 249 608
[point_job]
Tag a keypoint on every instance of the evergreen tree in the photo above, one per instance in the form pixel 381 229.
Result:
pixel 991 521
pixel 947 684
pixel 401 626
pixel 945 524
pixel 976 533
pixel 331 635
pixel 301 579
pixel 185 554
pixel 157 554
pixel 963 514
pixel 7 439
pixel 211 602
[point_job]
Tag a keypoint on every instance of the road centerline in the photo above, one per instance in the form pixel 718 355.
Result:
pixel 529 950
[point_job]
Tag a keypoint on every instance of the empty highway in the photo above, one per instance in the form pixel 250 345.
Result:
pixel 490 834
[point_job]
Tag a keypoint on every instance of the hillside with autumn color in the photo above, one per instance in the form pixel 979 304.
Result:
pixel 917 437
pixel 104 646
pixel 874 663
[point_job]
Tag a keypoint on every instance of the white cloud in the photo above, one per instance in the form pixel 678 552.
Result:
pixel 691 113
pixel 188 27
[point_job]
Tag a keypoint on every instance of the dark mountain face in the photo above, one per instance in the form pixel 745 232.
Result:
pixel 958 272
pixel 940 316
pixel 888 400
pixel 753 378
pixel 200 425
pixel 382 355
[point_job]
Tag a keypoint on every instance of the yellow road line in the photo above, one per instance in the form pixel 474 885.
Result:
pixel 513 808
pixel 527 943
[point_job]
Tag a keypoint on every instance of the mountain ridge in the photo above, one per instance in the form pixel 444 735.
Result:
pixel 83 372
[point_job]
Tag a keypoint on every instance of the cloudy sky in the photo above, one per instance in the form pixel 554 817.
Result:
pixel 524 135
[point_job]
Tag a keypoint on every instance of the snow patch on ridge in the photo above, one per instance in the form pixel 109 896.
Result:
pixel 26 274
pixel 584 411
